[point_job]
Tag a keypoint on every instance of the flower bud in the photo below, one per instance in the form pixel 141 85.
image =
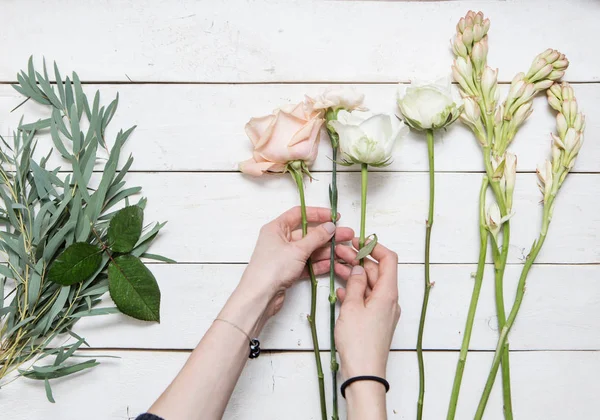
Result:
pixel 459 47
pixel 557 141
pixel 522 113
pixel 467 37
pixel 479 54
pixel 486 25
pixel 556 74
pixel 545 178
pixel 510 177
pixel 545 54
pixel 460 26
pixel 556 91
pixel 462 71
pixel 543 85
pixel 556 157
pixel 494 220
pixel 477 32
pixel 571 140
pixel 567 92
pixel 561 125
pixel 489 85
pixel 471 116
pixel 536 67
pixel 561 64
pixel 542 73
pixel 478 18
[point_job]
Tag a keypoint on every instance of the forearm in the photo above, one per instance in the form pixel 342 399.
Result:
pixel 366 401
pixel 203 387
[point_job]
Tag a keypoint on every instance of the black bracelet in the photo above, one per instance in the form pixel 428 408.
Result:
pixel 382 381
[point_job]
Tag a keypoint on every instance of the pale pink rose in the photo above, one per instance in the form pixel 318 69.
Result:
pixel 290 133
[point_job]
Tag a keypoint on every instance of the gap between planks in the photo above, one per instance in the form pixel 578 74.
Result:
pixel 283 82
pixel 301 351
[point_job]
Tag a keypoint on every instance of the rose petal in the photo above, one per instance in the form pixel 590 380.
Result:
pixel 251 167
pixel 259 129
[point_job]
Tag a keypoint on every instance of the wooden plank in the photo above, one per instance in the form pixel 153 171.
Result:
pixel 201 127
pixel 240 41
pixel 548 385
pixel 559 311
pixel 216 217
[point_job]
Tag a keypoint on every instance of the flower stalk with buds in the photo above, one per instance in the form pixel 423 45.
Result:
pixel 332 100
pixel 495 125
pixel 428 107
pixel 570 124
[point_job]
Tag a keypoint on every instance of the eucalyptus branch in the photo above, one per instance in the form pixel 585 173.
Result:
pixel 48 220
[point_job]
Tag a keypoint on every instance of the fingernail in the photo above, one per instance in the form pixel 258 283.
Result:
pixel 357 270
pixel 329 227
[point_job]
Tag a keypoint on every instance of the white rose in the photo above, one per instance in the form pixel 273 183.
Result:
pixel 367 138
pixel 429 106
pixel 339 97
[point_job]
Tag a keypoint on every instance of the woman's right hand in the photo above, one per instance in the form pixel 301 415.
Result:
pixel 368 317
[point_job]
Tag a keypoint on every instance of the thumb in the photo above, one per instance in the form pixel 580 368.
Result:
pixel 316 238
pixel 357 285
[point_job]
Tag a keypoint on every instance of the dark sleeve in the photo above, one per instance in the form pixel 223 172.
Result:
pixel 148 416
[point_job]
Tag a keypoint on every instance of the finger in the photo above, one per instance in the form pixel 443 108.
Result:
pixel 343 272
pixel 387 283
pixel 342 234
pixel 319 267
pixel 341 294
pixel 293 216
pixel 316 238
pixel 356 286
pixel 349 255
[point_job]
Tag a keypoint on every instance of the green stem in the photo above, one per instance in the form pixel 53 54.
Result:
pixel 332 297
pixel 464 349
pixel 297 175
pixel 502 340
pixel 429 225
pixel 364 172
pixel 500 259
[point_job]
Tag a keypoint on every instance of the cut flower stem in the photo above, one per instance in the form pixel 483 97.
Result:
pixel 364 172
pixel 429 224
pixel 297 175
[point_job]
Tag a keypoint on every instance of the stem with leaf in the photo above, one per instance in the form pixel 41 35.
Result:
pixel 429 225
pixel 296 170
pixel 334 366
pixel 464 349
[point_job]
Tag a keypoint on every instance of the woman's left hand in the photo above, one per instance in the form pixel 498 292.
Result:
pixel 281 253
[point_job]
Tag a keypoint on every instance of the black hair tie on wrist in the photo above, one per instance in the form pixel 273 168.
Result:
pixel 382 381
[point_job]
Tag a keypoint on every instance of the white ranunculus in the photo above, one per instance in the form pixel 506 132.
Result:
pixel 366 137
pixel 339 97
pixel 429 106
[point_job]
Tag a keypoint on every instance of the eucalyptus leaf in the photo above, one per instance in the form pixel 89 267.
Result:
pixel 133 288
pixel 75 264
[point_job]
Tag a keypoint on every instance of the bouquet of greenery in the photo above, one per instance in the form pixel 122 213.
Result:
pixel 64 241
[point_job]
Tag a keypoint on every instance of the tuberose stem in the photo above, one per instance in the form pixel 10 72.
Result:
pixel 364 174
pixel 464 349
pixel 297 175
pixel 500 259
pixel 429 225
pixel 502 340
pixel 332 297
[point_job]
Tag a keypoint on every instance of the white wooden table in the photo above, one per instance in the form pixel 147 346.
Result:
pixel 190 74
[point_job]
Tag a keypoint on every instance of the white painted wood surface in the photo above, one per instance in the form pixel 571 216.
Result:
pixel 227 61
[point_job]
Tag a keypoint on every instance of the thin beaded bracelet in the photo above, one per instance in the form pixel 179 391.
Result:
pixel 254 344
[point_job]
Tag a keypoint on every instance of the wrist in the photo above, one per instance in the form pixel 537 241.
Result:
pixel 366 400
pixel 247 309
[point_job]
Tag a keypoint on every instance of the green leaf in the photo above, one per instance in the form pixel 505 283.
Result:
pixel 367 249
pixel 125 229
pixel 134 289
pixel 76 264
pixel 48 391
pixel 158 258
pixel 52 372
